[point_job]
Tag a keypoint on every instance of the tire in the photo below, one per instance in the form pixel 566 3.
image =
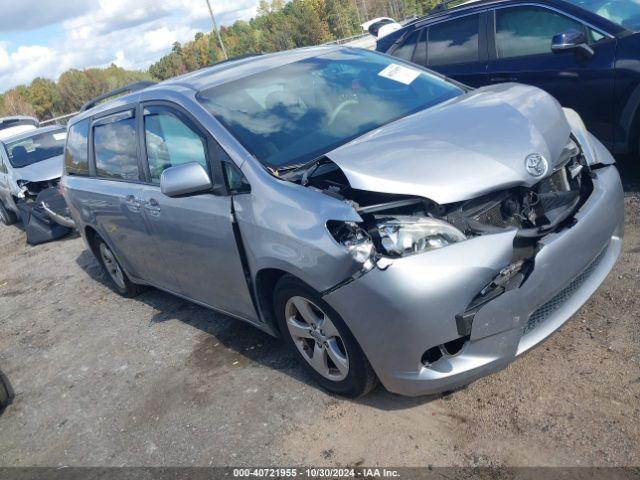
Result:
pixel 322 341
pixel 5 394
pixel 7 216
pixel 118 279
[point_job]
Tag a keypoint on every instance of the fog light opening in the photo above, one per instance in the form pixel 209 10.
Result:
pixel 454 346
pixel 448 349
pixel 431 356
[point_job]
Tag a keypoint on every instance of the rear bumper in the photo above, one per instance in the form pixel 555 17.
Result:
pixel 398 313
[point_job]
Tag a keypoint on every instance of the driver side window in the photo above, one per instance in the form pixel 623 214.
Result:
pixel 170 142
pixel 525 31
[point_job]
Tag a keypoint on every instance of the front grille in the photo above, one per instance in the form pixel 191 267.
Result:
pixel 545 311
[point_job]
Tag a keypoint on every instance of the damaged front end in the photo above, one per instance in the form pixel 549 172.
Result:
pixel 43 211
pixel 395 226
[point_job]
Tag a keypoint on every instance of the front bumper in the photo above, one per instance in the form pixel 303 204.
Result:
pixel 398 313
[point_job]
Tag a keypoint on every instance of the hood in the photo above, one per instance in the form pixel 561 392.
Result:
pixel 469 146
pixel 48 169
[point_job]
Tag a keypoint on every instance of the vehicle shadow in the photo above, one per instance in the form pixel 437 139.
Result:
pixel 240 338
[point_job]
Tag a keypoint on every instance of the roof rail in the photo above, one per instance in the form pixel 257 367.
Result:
pixel 441 7
pixel 239 57
pixel 133 87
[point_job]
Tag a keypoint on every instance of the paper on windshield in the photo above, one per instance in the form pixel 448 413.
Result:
pixel 60 136
pixel 400 73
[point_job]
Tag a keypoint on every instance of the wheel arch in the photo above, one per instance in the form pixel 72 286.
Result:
pixel 266 280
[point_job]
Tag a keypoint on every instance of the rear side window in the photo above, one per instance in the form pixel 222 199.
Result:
pixel 115 147
pixel 170 142
pixel 76 155
pixel 524 31
pixel 454 41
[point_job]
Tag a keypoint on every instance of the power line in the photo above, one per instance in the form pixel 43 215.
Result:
pixel 215 27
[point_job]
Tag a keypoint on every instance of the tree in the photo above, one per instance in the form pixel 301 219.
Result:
pixel 13 103
pixel 278 25
pixel 45 98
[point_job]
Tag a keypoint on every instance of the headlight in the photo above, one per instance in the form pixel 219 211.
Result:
pixel 355 239
pixel 405 235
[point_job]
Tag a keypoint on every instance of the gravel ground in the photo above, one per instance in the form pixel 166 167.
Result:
pixel 102 380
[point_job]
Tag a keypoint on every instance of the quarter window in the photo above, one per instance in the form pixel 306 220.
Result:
pixel 76 155
pixel 405 51
pixel 454 41
pixel 171 142
pixel 115 148
pixel 529 30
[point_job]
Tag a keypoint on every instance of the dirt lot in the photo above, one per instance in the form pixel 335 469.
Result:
pixel 102 380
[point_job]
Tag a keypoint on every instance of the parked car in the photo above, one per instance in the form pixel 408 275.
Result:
pixel 387 222
pixel 586 53
pixel 30 169
pixel 381 26
pixel 13 125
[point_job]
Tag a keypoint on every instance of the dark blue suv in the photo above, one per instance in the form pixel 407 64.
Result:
pixel 586 53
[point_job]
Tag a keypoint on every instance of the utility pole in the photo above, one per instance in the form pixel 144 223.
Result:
pixel 215 27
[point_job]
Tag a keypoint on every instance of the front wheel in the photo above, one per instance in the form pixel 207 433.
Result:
pixel 321 339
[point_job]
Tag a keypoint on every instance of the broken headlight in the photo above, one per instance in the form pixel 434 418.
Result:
pixel 406 235
pixel 354 238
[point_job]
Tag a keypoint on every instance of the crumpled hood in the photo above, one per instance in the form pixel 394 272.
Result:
pixel 461 149
pixel 48 169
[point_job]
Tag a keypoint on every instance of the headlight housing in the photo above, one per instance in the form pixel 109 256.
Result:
pixel 407 235
pixel 355 239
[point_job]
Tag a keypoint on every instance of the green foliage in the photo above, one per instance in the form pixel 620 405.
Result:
pixel 46 99
pixel 278 25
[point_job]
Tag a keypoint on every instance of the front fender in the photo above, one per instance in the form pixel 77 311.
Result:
pixel 594 151
pixel 283 226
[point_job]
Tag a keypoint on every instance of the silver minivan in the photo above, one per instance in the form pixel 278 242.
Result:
pixel 388 223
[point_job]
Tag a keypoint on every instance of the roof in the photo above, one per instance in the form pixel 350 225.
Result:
pixel 31 133
pixel 217 74
pixel 471 5
pixel 18 118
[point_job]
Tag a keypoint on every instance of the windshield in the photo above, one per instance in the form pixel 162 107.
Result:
pixel 295 113
pixel 622 12
pixel 34 149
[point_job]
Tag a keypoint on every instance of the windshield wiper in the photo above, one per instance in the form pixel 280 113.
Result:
pixel 300 171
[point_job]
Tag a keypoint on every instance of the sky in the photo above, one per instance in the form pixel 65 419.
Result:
pixel 43 38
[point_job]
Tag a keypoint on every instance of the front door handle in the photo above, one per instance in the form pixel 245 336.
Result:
pixel 153 207
pixel 133 203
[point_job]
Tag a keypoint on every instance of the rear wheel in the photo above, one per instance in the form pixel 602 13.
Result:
pixel 321 339
pixel 7 216
pixel 119 280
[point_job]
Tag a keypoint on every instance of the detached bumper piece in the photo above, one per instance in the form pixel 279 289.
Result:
pixel 46 218
pixel 508 279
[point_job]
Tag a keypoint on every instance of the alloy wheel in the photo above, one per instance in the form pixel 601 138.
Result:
pixel 112 266
pixel 317 338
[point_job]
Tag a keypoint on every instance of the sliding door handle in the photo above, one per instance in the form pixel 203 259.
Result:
pixel 153 207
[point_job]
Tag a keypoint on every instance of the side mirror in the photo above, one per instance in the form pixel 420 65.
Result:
pixel 571 41
pixel 187 179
